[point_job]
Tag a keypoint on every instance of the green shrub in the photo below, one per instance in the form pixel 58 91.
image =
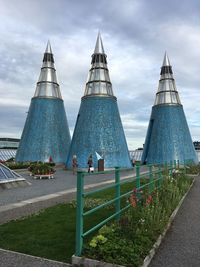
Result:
pixel 41 168
pixel 17 165
pixel 193 169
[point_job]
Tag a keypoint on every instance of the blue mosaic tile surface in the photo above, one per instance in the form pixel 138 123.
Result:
pixel 99 129
pixel 168 136
pixel 46 132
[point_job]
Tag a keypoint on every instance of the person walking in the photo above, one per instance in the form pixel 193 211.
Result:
pixel 74 164
pixel 90 163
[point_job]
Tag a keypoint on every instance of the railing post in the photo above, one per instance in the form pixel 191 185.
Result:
pixel 184 166
pixel 151 186
pixel 138 181
pixel 174 164
pixel 160 175
pixel 117 192
pixel 79 213
pixel 170 168
pixel 166 168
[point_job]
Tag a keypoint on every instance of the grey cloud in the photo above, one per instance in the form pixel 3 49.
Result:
pixel 135 34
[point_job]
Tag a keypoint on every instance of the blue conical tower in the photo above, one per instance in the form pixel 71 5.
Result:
pixel 46 132
pixel 168 136
pixel 98 126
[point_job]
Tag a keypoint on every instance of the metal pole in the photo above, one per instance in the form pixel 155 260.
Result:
pixel 178 163
pixel 160 175
pixel 170 168
pixel 151 186
pixel 117 192
pixel 174 164
pixel 138 181
pixel 79 213
pixel 184 166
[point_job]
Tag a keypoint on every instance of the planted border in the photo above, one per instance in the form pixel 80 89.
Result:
pixel 128 241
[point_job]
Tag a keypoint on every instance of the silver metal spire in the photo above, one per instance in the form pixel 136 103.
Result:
pixel 167 92
pixel 47 85
pixel 166 60
pixel 99 45
pixel 48 48
pixel 98 82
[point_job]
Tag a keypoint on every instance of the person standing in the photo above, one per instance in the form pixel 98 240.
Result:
pixel 90 163
pixel 74 163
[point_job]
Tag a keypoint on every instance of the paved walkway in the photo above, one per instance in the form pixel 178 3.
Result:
pixel 23 201
pixel 15 259
pixel 64 180
pixel 181 245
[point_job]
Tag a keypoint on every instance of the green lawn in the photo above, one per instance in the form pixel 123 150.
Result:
pixel 51 233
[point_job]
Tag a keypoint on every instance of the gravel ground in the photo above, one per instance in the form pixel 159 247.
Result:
pixel 181 245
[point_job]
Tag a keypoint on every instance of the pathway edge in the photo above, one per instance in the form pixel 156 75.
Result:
pixel 158 242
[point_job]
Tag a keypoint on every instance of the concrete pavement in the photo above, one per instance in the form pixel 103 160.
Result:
pixel 181 245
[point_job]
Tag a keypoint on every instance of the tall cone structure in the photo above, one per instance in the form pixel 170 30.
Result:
pixel 168 136
pixel 46 132
pixel 98 126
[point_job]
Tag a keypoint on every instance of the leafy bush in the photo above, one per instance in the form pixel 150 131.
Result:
pixel 41 168
pixel 17 165
pixel 129 240
pixel 193 169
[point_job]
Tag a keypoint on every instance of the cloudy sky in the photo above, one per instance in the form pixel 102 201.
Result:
pixel 135 34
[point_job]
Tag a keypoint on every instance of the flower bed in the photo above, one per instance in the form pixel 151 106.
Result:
pixel 193 169
pixel 41 169
pixel 128 241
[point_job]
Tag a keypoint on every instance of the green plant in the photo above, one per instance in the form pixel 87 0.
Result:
pixel 41 168
pixel 193 169
pixel 17 165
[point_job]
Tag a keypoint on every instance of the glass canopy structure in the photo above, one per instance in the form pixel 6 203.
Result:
pixel 47 85
pixel 167 92
pixel 98 82
pixel 9 178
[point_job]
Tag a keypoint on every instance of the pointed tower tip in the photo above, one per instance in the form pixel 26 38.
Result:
pixel 48 48
pixel 166 61
pixel 99 45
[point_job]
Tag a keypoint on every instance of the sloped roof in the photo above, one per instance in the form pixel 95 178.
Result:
pixel 8 175
pixel 6 154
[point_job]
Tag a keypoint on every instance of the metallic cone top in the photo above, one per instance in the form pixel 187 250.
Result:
pixel 167 92
pixel 98 82
pixel 47 85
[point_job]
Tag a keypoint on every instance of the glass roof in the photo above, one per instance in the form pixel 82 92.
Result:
pixel 98 82
pixel 7 174
pixel 47 85
pixel 167 92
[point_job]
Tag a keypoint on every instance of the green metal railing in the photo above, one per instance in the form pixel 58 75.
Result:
pixel 153 175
